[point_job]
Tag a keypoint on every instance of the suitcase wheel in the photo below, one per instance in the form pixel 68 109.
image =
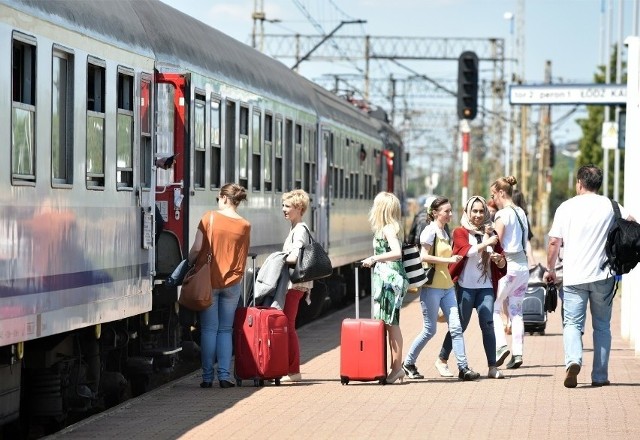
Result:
pixel 239 382
pixel 383 381
pixel 258 382
pixel 277 381
pixel 344 380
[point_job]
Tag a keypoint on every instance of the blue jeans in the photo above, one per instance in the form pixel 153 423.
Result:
pixel 431 300
pixel 216 325
pixel 600 296
pixel 482 301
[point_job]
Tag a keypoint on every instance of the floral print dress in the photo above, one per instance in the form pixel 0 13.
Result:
pixel 389 285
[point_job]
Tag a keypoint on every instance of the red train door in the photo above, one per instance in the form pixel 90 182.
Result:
pixel 387 180
pixel 172 182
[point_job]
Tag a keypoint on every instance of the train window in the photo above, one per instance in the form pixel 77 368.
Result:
pixel 216 158
pixel 230 141
pixel 347 173
pixel 358 167
pixel 165 127
pixel 307 160
pixel 23 115
pixel 124 138
pixel 288 154
pixel 62 80
pixel 297 159
pixel 337 175
pixel 256 138
pixel 146 148
pixel 278 162
pixel 95 126
pixel 313 153
pixel 268 151
pixel 199 145
pixel 243 149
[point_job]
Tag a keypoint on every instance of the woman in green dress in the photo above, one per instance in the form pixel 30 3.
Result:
pixel 390 282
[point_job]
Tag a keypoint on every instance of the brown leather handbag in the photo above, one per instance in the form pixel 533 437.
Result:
pixel 196 287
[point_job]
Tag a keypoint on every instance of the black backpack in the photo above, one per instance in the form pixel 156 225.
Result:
pixel 420 221
pixel 623 243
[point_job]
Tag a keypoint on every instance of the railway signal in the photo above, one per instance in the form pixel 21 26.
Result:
pixel 467 85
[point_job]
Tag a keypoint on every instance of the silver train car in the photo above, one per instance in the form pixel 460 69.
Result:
pixel 92 94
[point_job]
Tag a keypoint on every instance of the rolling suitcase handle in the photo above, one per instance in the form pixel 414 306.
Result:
pixel 357 265
pixel 245 301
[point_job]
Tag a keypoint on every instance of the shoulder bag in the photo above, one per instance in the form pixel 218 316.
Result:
pixel 413 266
pixel 431 270
pixel 524 246
pixel 196 287
pixel 313 262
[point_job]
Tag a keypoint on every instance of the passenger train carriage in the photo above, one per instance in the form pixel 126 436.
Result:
pixel 92 94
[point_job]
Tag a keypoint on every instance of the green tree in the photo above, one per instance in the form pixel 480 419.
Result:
pixel 590 145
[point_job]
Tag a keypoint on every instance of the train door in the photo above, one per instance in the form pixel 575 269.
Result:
pixel 323 187
pixel 386 170
pixel 172 160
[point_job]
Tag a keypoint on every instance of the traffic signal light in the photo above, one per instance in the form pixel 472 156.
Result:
pixel 467 85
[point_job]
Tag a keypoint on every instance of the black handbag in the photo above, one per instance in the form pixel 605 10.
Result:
pixel 313 262
pixel 551 298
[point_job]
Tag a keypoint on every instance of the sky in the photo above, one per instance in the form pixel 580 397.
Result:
pixel 569 33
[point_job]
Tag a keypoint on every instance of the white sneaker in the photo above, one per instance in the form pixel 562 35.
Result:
pixel 443 368
pixel 494 373
pixel 297 377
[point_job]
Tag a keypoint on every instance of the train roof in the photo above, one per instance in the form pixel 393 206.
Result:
pixel 172 38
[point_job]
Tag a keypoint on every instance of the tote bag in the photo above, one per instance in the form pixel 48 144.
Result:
pixel 413 266
pixel 196 286
pixel 313 262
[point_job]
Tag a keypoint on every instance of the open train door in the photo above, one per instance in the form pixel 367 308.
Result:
pixel 172 162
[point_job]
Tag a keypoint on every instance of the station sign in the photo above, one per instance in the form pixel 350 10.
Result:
pixel 549 94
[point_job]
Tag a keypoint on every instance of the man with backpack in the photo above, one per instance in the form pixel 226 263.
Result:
pixel 581 224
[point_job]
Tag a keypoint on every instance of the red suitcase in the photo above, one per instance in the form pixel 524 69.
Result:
pixel 363 352
pixel 261 344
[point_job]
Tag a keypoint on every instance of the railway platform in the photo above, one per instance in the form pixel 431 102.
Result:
pixel 530 403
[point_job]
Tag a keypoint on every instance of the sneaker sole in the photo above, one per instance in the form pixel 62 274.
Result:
pixel 502 358
pixel 469 378
pixel 411 375
pixel 571 381
pixel 443 372
pixel 514 365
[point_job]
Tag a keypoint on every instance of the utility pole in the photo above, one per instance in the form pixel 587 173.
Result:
pixel 524 110
pixel 544 148
pixel 258 17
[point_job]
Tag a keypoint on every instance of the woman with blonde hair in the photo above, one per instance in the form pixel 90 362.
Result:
pixel 294 204
pixel 511 226
pixel 229 245
pixel 390 281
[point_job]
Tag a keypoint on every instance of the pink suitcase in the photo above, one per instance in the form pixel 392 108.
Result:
pixel 363 352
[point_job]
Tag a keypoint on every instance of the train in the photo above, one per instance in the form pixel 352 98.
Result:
pixel 94 96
